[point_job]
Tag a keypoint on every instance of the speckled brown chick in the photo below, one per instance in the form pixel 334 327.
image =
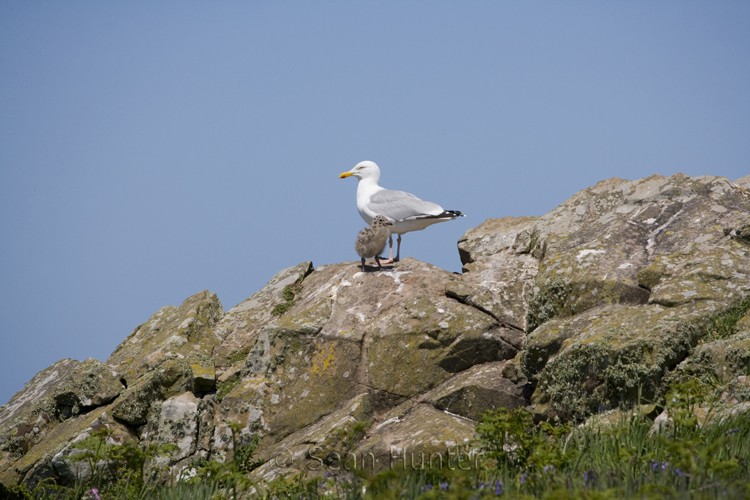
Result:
pixel 371 240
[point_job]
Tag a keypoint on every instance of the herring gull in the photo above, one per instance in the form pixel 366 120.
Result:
pixel 404 210
pixel 371 240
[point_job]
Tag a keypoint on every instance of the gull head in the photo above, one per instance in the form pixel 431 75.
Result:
pixel 363 170
pixel 381 221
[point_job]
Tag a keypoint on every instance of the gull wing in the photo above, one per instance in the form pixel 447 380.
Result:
pixel 399 205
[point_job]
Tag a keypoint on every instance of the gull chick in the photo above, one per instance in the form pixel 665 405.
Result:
pixel 371 240
pixel 404 210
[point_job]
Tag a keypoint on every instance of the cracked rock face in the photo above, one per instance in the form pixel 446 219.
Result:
pixel 631 275
pixel 625 288
pixel 392 335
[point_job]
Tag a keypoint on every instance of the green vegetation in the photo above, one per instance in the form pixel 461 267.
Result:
pixel 551 301
pixel 724 324
pixel 681 457
pixel 289 293
pixel 225 388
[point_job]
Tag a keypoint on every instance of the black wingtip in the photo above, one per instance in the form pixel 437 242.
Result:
pixel 445 214
pixel 453 213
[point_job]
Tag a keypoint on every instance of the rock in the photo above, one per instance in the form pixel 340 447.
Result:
pixel 420 437
pixel 632 273
pixel 320 448
pixel 168 355
pixel 64 464
pixel 392 333
pixel 583 313
pixel 476 390
pixel 64 390
pixel 177 424
pixel 242 323
pixel 171 333
pixel 90 385
pixel 722 357
pixel 172 377
pixel 39 462
pixel 202 372
pixel 497 276
pixel 35 396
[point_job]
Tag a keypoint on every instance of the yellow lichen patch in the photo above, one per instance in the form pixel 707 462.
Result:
pixel 322 360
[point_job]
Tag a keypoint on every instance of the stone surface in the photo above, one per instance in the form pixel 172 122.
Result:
pixel 172 333
pixel 420 436
pixel 90 385
pixel 476 390
pixel 632 275
pixel 242 323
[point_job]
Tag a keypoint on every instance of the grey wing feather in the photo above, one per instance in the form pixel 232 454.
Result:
pixel 399 205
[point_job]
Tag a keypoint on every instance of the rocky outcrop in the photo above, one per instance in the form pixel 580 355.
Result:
pixel 626 288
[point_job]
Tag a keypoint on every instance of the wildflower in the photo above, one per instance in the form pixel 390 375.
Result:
pixel 330 474
pixel 548 468
pixel 654 465
pixel 427 487
pixel 92 494
pixel 444 485
pixel 678 473
pixel 481 485
pixel 498 487
pixel 523 478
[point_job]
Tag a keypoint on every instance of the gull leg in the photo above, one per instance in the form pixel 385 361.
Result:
pixel 398 250
pixel 363 264
pixel 390 250
pixel 377 259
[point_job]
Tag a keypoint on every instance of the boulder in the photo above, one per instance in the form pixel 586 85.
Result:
pixel 242 323
pixel 91 384
pixel 173 333
pixel 418 436
pixel 62 391
pixel 477 390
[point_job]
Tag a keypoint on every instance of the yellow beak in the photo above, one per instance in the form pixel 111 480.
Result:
pixel 345 174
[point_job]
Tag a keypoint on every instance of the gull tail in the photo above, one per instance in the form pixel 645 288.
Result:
pixel 445 214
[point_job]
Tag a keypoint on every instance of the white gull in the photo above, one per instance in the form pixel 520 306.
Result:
pixel 406 211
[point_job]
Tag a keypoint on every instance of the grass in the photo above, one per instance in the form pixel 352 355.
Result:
pixel 629 458
pixel 724 324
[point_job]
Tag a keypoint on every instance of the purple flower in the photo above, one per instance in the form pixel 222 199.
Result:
pixel 427 487
pixel 444 486
pixel 678 472
pixel 498 487
pixel 654 465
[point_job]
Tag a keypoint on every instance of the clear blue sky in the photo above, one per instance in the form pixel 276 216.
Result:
pixel 150 150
